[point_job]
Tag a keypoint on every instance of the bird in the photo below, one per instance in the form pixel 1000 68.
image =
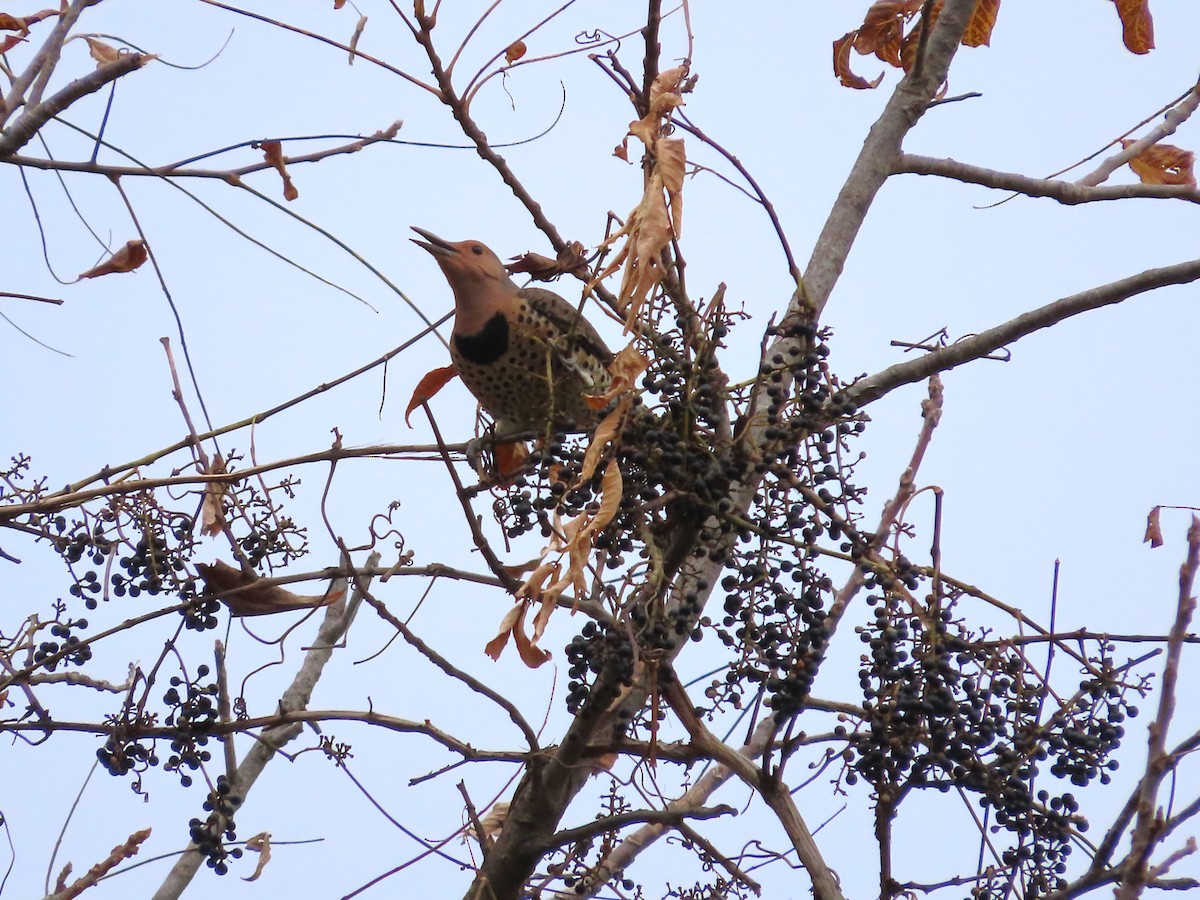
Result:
pixel 526 354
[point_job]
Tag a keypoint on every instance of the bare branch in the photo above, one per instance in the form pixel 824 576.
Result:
pixel 978 345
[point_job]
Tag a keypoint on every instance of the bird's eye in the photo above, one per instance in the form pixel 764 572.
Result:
pixel 477 250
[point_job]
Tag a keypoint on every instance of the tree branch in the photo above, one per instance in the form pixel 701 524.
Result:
pixel 978 345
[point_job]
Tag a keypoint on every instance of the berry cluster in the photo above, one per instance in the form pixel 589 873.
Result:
pixel 71 651
pixel 193 713
pixel 121 755
pixel 606 653
pixel 943 710
pixel 209 835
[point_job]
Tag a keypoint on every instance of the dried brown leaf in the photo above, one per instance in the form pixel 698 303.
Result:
pixel 841 65
pixel 21 23
pixel 212 511
pixel 128 258
pixel 1137 25
pixel 1164 164
pixel 354 38
pixel 1154 535
pixel 260 844
pixel 101 52
pixel 245 595
pixel 273 153
pixel 514 52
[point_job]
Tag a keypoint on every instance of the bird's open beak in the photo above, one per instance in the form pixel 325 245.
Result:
pixel 434 244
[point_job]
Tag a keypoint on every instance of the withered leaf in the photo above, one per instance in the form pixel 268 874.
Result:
pixel 260 844
pixel 542 268
pixel 128 258
pixel 432 382
pixel 1164 164
pixel 979 27
pixel 514 52
pixel 1154 535
pixel 245 595
pixel 21 23
pixel 1137 25
pixel 841 65
pixel 212 511
pixel 358 32
pixel 273 153
pixel 883 28
pixel 101 52
pixel 513 625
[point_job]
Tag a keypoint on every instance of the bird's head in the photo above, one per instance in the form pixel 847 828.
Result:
pixel 475 273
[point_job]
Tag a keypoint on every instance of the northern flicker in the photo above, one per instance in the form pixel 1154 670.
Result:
pixel 526 354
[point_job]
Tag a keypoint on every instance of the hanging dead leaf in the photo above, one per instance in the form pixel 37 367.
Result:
pixel 338 4
pixel 260 844
pixel 245 595
pixel 542 268
pixel 431 382
pixel 979 27
pixel 647 233
pixel 666 91
pixel 513 625
pixel 9 42
pixel 1154 535
pixel 883 28
pixel 273 153
pixel 21 23
pixel 128 258
pixel 514 52
pixel 101 52
pixel 605 432
pixel 212 511
pixel 1164 164
pixel 841 65
pixel 1137 25
pixel 358 32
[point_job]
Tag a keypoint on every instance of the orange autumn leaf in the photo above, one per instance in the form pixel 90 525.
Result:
pixel 273 153
pixel 514 52
pixel 1137 25
pixel 841 65
pixel 1164 164
pixel 246 596
pixel 128 258
pixel 432 382
pixel 979 27
pixel 9 42
pixel 883 28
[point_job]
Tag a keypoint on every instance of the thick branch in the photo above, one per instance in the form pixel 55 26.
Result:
pixel 880 152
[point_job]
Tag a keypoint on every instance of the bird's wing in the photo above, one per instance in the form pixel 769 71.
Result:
pixel 567 317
